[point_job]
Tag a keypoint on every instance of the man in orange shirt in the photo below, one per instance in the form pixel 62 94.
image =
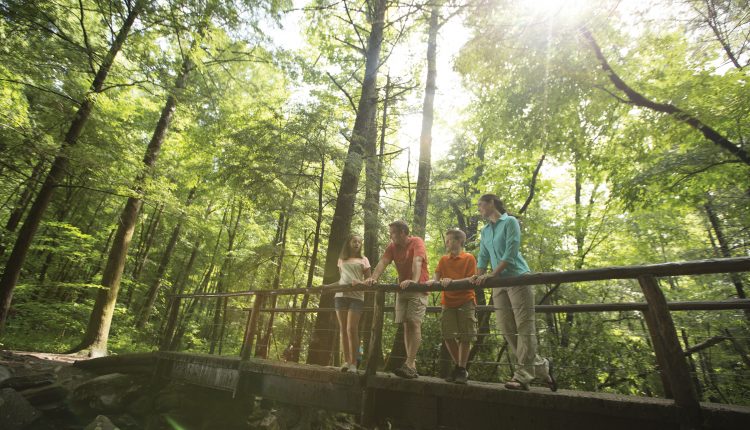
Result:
pixel 458 320
pixel 410 258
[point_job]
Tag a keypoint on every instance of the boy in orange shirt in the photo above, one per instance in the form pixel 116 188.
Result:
pixel 458 320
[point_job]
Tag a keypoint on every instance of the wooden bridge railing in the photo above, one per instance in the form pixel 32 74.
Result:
pixel 675 373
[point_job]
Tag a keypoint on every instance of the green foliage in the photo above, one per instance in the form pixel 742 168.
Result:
pixel 256 124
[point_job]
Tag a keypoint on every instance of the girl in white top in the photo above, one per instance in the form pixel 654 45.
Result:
pixel 354 269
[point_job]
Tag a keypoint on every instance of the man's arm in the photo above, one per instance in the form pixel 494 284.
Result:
pixel 416 272
pixel 379 269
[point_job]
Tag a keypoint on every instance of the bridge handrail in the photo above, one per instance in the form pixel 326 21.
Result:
pixel 696 267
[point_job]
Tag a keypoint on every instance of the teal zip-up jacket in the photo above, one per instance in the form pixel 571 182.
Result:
pixel 501 241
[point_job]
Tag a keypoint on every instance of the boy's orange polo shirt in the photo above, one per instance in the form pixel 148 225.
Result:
pixel 460 266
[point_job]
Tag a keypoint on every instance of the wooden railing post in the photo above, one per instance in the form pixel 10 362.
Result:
pixel 374 357
pixel 669 354
pixel 174 309
pixel 252 326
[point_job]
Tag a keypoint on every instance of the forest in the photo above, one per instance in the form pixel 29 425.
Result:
pixel 149 149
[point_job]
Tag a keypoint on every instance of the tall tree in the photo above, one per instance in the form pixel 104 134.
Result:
pixel 43 197
pixel 422 197
pixel 320 345
pixel 97 333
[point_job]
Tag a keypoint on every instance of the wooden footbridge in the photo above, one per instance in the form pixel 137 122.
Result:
pixel 431 403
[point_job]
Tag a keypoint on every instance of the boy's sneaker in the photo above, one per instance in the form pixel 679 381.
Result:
pixel 406 372
pixel 462 376
pixel 452 375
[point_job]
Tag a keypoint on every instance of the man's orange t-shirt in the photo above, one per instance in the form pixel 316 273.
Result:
pixel 403 258
pixel 460 266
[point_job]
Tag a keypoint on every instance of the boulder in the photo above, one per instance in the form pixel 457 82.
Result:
pixel 5 373
pixel 49 394
pixel 106 394
pixel 16 412
pixel 33 380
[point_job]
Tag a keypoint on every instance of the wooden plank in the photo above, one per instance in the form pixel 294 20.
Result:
pixel 667 345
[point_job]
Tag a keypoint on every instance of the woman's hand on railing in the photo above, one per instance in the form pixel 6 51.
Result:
pixel 479 279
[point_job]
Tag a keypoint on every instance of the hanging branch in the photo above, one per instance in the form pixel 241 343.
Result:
pixel 638 99
pixel 532 185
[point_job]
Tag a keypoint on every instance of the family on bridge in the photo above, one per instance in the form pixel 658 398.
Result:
pixel 514 306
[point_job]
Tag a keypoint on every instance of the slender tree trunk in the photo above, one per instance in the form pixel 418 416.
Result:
pixel 302 320
pixel 371 206
pixel 266 341
pixel 23 201
pixel 98 267
pixel 725 251
pixel 421 200
pixel 190 309
pixel 320 345
pixel 179 286
pixel 153 291
pixel 97 332
pixel 223 273
pixel 147 239
pixel 693 368
pixel 59 167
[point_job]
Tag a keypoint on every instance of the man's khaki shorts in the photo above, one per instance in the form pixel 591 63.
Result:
pixel 410 307
pixel 459 323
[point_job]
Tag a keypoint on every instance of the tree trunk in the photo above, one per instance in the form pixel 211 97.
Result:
pixel 266 340
pixel 153 291
pixel 425 139
pixel 97 332
pixel 23 201
pixel 59 167
pixel 147 239
pixel 371 209
pixel 320 345
pixel 190 308
pixel 725 252
pixel 302 320
pixel 691 363
pixel 223 272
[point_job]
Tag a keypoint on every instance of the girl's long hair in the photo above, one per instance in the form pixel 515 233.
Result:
pixel 346 250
